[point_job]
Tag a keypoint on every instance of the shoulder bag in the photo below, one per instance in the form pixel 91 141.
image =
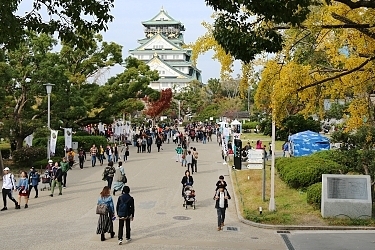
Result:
pixel 101 209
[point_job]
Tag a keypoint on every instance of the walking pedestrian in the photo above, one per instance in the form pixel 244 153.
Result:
pixel 23 189
pixel 34 179
pixel 109 153
pixel 101 155
pixel 139 144
pixel 125 211
pixel 158 142
pixel 195 160
pixel 187 180
pixel 81 157
pixel 149 143
pixel 49 168
pixel 70 156
pixel 65 166
pixel 9 184
pixel 115 153
pixel 189 161
pixel 105 223
pixel 93 153
pixel 57 179
pixel 221 197
pixel 179 153
pixel 144 143
pixel 126 154
pixel 120 178
pixel 109 173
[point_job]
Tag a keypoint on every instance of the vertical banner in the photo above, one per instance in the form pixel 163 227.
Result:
pixel 53 141
pixel 224 144
pixel 68 138
pixel 29 140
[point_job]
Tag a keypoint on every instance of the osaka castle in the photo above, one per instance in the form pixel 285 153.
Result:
pixel 162 50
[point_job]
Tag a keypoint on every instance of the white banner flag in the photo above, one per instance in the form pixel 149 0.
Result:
pixel 53 141
pixel 68 138
pixel 29 140
pixel 224 144
pixel 101 127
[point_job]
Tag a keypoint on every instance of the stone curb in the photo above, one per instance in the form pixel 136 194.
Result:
pixel 286 227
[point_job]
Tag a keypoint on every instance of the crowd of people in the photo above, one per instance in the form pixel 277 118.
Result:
pixel 56 174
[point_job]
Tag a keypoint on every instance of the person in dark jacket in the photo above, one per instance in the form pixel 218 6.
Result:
pixel 187 180
pixel 158 142
pixel 57 179
pixel 33 181
pixel 149 143
pixel 81 157
pixel 125 216
pixel 221 196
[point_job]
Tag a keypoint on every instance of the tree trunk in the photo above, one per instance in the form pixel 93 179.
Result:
pixel 19 142
pixel 1 163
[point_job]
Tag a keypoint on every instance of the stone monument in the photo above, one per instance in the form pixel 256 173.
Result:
pixel 346 196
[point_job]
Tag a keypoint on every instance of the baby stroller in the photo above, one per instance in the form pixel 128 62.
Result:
pixel 46 179
pixel 189 197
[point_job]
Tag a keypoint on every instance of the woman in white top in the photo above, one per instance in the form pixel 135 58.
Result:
pixel 189 160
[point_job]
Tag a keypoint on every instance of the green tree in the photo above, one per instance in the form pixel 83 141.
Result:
pixel 192 98
pixel 67 18
pixel 124 93
pixel 290 125
pixel 23 72
pixel 336 111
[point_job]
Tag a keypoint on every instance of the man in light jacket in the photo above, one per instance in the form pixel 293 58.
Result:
pixel 9 184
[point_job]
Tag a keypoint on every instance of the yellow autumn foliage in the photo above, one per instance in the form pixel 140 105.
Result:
pixel 206 43
pixel 289 85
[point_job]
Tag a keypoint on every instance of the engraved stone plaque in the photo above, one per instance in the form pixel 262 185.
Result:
pixel 346 196
pixel 345 188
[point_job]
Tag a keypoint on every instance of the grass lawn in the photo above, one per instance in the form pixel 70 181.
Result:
pixel 253 137
pixel 4 145
pixel 291 205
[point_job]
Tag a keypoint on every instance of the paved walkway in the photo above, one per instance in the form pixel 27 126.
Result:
pixel 69 221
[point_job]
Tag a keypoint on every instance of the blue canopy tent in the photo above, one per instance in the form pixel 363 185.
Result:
pixel 307 142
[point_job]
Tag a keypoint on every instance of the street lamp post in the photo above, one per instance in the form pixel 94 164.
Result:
pixel 179 111
pixel 49 90
pixel 272 205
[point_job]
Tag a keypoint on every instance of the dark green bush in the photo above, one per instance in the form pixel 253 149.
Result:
pixel 314 195
pixel 5 153
pixel 26 156
pixel 302 172
pixel 83 141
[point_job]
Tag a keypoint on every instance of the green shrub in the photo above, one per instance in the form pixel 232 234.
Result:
pixel 41 164
pixel 302 172
pixel 5 153
pixel 83 141
pixel 314 195
pixel 26 156
pixel 250 125
pixel 81 133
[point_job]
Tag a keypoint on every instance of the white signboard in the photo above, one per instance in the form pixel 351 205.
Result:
pixel 255 158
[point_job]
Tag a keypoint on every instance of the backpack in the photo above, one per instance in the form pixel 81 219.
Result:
pixel 124 210
pixel 70 157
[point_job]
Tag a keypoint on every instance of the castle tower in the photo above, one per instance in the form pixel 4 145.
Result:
pixel 162 50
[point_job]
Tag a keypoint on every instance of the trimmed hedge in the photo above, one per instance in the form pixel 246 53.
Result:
pixel 26 156
pixel 314 195
pixel 302 172
pixel 83 141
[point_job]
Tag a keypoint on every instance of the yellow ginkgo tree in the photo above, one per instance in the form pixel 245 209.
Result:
pixel 328 56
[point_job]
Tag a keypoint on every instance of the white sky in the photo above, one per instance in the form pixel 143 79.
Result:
pixel 126 28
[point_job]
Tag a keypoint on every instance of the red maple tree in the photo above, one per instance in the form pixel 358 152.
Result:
pixel 155 108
